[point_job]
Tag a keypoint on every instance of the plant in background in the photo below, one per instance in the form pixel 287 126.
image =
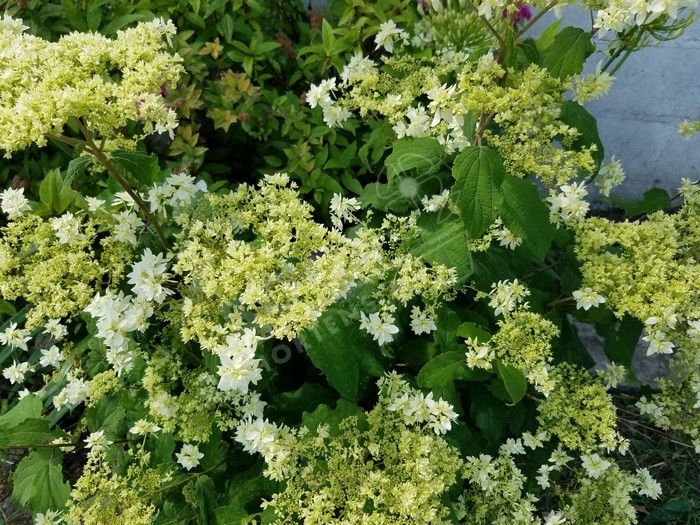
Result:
pixel 206 352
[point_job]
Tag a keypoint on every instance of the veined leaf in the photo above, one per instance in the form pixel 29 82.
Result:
pixel 479 173
pixel 422 154
pixel 443 241
pixel 38 481
pixel 445 368
pixel 525 214
pixel 567 54
pixel 576 116
pixel 513 380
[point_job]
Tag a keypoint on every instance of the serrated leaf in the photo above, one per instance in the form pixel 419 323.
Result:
pixel 38 482
pixel 139 165
pixel 525 214
pixel 653 200
pixel 340 350
pixel 473 331
pixel 28 433
pixel 77 167
pixel 447 368
pixel 479 173
pixel 576 116
pixel 567 53
pixel 423 154
pixel 107 415
pixel 443 241
pixel 401 193
pixel 206 500
pixel 29 407
pixel 513 380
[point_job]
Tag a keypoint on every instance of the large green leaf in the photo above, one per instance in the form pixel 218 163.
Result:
pixel 55 193
pixel 28 433
pixel 29 407
pixel 344 353
pixel 401 193
pixel 576 116
pixel 567 54
pixel 479 173
pixel 38 481
pixel 206 499
pixel 653 200
pixel 446 368
pixel 443 241
pixel 423 154
pixel 525 214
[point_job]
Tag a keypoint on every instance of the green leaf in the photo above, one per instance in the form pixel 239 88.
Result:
pixel 447 368
pixel 514 381
pixel 29 407
pixel 142 167
pixel 28 433
pixel 443 241
pixel 76 168
pixel 473 331
pixel 575 115
pixel 654 199
pixel 341 351
pixel 488 415
pixel 324 415
pixel 107 415
pixel 567 53
pixel 525 214
pixel 401 193
pixel 423 154
pixel 230 515
pixel 54 193
pixel 124 20
pixel 547 37
pixel 479 173
pixel 206 499
pixel 38 482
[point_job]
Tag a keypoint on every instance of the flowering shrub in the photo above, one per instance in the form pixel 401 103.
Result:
pixel 401 349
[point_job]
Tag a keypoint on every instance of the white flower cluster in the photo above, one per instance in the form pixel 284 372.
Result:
pixel 657 328
pixel 189 456
pixel 13 202
pixel 620 15
pixel 343 209
pixel 239 368
pixel 389 33
pixel 147 277
pixel 436 202
pixel 414 406
pixel 334 114
pixel 480 354
pixel 74 393
pixel 67 229
pixel 568 206
pixel 505 296
pixel 117 315
pixel 421 322
pixel 178 190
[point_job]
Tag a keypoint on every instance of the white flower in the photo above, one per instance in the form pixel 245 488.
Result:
pixel 55 329
pixel 421 322
pixel 512 447
pixel 321 95
pixel 568 205
pixel 51 357
pixel 554 518
pixel 189 456
pixel 535 441
pixel 559 457
pixel 357 68
pixel 67 229
pixel 436 202
pixel 658 343
pixel 74 393
pixel 335 115
pixel 147 277
pixel 238 370
pixel 14 337
pixel 257 436
pixel 442 414
pixel 479 354
pixel 505 296
pixel 94 204
pixel 14 203
pixel 388 34
pixel 127 223
pixel 382 329
pixel 163 404
pixel 648 486
pixel 342 209
pixel 97 440
pixel 143 427
pixel 182 188
pixel 594 464
pixel 51 517
pixel 486 7
pixel 587 298
pixel 543 478
pixel 610 176
pixel 15 373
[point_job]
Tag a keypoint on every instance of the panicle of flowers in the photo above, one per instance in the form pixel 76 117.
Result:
pixel 44 84
pixel 497 231
pixel 620 15
pixel 591 86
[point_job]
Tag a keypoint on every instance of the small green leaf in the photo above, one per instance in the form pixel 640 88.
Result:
pixel 473 331
pixel 479 173
pixel 567 53
pixel 76 168
pixel 443 241
pixel 547 37
pixel 142 167
pixel 230 515
pixel 576 116
pixel 621 341
pixel 525 214
pixel 54 193
pixel 447 368
pixel 107 415
pixel 423 154
pixel 325 415
pixel 513 380
pixel 654 199
pixel 38 481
